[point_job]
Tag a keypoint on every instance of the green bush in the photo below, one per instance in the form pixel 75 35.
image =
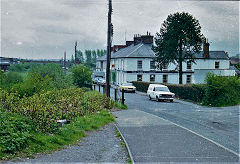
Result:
pixel 14 132
pixel 192 92
pixel 7 80
pixel 47 107
pixel 34 83
pixel 82 76
pixel 59 78
pixel 22 67
pixel 222 91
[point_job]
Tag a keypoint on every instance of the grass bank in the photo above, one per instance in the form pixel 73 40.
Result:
pixel 37 142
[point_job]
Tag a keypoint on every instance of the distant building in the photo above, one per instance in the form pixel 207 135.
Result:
pixel 135 63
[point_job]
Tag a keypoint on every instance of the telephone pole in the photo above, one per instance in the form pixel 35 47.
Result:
pixel 109 43
pixel 64 60
pixel 76 58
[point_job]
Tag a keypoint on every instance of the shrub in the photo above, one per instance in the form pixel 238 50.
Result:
pixel 14 132
pixel 34 83
pixel 45 108
pixel 82 76
pixel 222 91
pixel 59 78
pixel 23 67
pixel 7 80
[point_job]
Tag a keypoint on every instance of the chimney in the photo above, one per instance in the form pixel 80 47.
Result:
pixel 206 49
pixel 137 39
pixel 147 39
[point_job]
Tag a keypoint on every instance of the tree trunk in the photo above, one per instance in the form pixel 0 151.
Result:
pixel 180 64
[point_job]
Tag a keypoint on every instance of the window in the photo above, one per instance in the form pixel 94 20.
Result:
pixel 101 65
pixel 152 64
pixel 189 79
pixel 189 65
pixel 152 78
pixel 165 78
pixel 165 66
pixel 216 65
pixel 139 64
pixel 139 77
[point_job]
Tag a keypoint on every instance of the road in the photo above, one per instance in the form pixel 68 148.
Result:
pixel 218 124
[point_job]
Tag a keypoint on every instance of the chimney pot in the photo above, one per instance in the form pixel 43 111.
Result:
pixel 206 49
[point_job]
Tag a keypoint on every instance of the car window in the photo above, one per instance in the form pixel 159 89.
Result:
pixel 127 84
pixel 162 89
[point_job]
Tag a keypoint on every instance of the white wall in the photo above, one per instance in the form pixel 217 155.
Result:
pixel 200 75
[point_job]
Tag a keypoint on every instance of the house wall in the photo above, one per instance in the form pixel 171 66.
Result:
pixel 200 68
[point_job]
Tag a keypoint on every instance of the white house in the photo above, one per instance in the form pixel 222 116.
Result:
pixel 135 63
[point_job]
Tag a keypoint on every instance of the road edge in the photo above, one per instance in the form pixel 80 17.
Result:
pixel 125 141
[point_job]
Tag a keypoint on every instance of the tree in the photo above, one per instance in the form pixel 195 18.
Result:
pixel 80 56
pixel 179 38
pixel 82 76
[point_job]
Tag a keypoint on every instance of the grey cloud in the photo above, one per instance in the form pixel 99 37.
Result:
pixel 49 27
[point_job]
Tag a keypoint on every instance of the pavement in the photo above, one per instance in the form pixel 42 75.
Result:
pixel 154 139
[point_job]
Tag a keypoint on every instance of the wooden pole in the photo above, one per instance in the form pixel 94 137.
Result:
pixel 109 36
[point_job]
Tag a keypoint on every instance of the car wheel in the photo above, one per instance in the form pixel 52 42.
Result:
pixel 150 97
pixel 171 100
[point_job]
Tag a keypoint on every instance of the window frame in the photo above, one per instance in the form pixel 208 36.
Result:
pixel 152 65
pixel 138 64
pixel 189 65
pixel 217 64
pixel 165 80
pixel 188 79
pixel 139 77
pixel 154 78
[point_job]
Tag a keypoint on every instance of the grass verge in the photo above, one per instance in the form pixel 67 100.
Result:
pixel 67 135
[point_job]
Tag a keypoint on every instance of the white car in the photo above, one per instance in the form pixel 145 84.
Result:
pixel 159 92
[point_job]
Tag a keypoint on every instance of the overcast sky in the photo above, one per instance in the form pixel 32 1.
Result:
pixel 44 29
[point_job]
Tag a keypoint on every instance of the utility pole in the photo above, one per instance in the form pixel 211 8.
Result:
pixel 109 43
pixel 64 60
pixel 76 59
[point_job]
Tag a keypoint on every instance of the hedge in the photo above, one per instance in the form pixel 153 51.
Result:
pixel 192 92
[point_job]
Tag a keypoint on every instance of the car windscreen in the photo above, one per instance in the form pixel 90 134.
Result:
pixel 162 89
pixel 127 84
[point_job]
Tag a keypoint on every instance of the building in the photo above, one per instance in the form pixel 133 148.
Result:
pixel 135 63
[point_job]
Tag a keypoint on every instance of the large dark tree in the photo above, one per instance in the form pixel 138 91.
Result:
pixel 179 38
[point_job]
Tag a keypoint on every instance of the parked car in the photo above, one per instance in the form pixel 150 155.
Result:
pixel 102 81
pixel 127 87
pixel 159 92
pixel 97 80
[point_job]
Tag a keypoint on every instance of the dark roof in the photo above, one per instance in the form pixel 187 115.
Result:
pixel 145 51
pixel 212 55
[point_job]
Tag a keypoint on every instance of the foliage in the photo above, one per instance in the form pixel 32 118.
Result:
pixel 15 131
pixel 7 80
pixel 38 142
pixel 22 67
pixel 179 38
pixel 45 108
pixel 237 66
pixel 34 83
pixel 82 76
pixel 54 71
pixel 92 55
pixel 222 91
pixel 193 92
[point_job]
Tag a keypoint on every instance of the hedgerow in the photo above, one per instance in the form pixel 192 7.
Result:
pixel 218 90
pixel 46 108
pixel 193 92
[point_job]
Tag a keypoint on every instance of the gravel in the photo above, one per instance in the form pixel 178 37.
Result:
pixel 99 146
